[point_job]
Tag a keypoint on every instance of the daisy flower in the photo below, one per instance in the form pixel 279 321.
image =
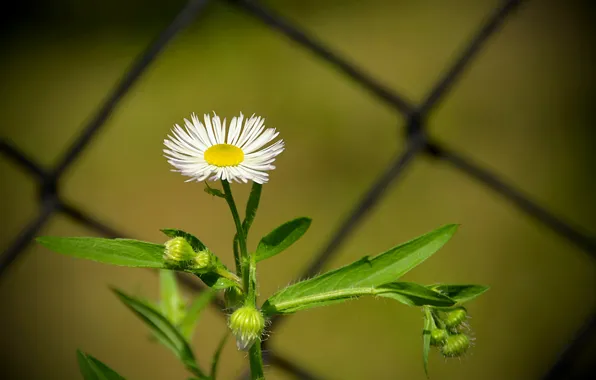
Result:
pixel 211 151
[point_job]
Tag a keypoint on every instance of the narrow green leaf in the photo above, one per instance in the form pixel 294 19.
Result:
pixel 251 206
pixel 460 293
pixel 163 329
pixel 125 252
pixel 193 313
pixel 429 324
pixel 217 354
pixel 281 238
pixel 93 369
pixel 85 367
pixel 171 302
pixel 363 274
pixel 405 292
pixel 194 241
pixel 413 294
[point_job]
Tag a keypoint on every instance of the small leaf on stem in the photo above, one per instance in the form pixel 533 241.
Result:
pixel 460 293
pixel 281 238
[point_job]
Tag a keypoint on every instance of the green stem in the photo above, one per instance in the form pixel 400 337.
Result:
pixel 241 256
pixel 247 270
pixel 256 361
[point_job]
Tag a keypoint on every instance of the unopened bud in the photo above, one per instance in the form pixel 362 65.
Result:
pixel 178 250
pixel 438 337
pixel 455 345
pixel 247 324
pixel 455 318
pixel 180 255
pixel 202 260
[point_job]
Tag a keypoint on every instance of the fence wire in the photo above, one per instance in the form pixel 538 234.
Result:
pixel 417 143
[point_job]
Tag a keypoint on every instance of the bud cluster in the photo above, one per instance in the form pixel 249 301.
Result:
pixel 448 334
pixel 180 255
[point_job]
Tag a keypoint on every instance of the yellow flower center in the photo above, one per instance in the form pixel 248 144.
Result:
pixel 224 155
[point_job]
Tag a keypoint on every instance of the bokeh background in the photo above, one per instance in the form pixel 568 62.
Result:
pixel 524 109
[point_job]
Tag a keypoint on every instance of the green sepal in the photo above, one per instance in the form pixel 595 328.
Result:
pixel 93 369
pixel 365 275
pixel 281 238
pixel 123 252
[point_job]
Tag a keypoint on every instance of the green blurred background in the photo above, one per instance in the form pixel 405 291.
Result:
pixel 523 110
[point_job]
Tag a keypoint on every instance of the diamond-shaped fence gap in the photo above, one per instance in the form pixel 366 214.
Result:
pixel 373 327
pixel 133 73
pixel 397 56
pixel 274 20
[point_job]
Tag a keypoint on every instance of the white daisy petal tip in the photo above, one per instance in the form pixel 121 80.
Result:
pixel 241 151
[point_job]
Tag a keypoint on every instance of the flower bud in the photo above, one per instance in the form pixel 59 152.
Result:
pixel 202 260
pixel 438 336
pixel 178 249
pixel 247 324
pixel 455 345
pixel 180 255
pixel 455 318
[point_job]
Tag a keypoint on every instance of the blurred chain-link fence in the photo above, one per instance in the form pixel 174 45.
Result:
pixel 418 143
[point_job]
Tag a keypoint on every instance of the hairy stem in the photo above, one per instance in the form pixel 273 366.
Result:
pixel 256 361
pixel 239 257
pixel 247 270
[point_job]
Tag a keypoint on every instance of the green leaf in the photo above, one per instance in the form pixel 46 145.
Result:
pixel 125 252
pixel 93 369
pixel 281 238
pixel 163 329
pixel 171 302
pixel 251 206
pixel 86 367
pixel 405 292
pixel 413 294
pixel 193 312
pixel 429 324
pixel 365 274
pixel 460 293
pixel 217 354
pixel 194 241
